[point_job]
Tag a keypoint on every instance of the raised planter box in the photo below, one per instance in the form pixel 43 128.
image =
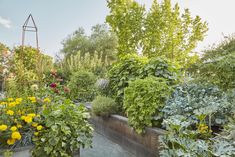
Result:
pixel 116 128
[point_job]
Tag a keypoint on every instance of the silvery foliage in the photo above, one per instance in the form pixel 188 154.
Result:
pixel 191 100
pixel 102 83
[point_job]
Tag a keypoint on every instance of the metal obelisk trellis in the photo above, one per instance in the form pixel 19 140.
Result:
pixel 27 28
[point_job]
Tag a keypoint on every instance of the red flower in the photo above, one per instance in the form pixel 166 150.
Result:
pixel 56 91
pixel 53 85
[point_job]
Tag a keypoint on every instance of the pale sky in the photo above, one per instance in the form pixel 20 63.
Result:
pixel 58 18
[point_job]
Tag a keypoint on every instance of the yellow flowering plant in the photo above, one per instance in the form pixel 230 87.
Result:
pixel 19 120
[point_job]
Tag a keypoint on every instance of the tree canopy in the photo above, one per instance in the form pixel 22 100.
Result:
pixel 162 31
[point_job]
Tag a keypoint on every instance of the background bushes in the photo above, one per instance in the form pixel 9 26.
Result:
pixel 82 86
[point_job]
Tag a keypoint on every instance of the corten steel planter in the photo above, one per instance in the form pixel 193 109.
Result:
pixel 116 128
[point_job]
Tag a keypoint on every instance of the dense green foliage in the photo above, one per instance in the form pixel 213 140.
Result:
pixel 28 66
pixel 127 69
pixel 104 106
pixel 82 86
pixel 191 100
pixel 66 130
pixel 144 98
pixel 217 66
pixel 161 67
pixel 131 67
pixel 182 140
pixel 162 31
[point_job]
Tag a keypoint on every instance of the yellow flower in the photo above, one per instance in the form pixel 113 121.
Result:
pixel 10 99
pixel 14 128
pixel 10 112
pixel 22 117
pixel 3 127
pixel 34 124
pixel 39 127
pixel 19 100
pixel 11 141
pixel 33 99
pixel 3 103
pixel 36 133
pixel 31 115
pixel 47 100
pixel 12 104
pixel 28 119
pixel 16 135
pixel 19 126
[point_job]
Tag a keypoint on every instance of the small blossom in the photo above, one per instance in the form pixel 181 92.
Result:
pixel 3 127
pixel 53 85
pixel 11 141
pixel 10 112
pixel 16 135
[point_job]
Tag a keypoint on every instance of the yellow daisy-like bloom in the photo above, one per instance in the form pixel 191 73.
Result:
pixel 28 119
pixel 36 133
pixel 31 115
pixel 10 112
pixel 34 124
pixel 10 99
pixel 11 141
pixel 3 127
pixel 47 100
pixel 19 126
pixel 16 135
pixel 13 128
pixel 12 104
pixel 39 127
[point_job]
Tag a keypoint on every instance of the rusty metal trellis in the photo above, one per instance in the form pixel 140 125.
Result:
pixel 27 28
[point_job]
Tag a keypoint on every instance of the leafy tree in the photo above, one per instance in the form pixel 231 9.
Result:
pixel 163 31
pixel 101 41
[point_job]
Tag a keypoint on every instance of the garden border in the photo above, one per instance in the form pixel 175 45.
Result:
pixel 116 129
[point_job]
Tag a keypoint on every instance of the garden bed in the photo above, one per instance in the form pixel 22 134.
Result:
pixel 116 128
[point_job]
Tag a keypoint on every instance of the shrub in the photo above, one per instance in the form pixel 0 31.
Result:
pixel 132 67
pixel 127 69
pixel 163 68
pixel 219 72
pixel 82 86
pixel 193 99
pixel 64 129
pixel 103 106
pixel 143 99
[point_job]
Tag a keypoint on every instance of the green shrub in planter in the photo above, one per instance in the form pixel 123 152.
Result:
pixel 143 98
pixel 103 106
pixel 63 129
pixel 82 86
pixel 125 70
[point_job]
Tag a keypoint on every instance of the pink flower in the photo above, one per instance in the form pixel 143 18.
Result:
pixel 53 85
